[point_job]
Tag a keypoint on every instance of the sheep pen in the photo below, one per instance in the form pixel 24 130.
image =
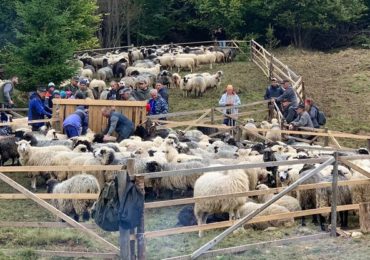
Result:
pixel 165 218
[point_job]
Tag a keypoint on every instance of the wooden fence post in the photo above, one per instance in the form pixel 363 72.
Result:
pixel 141 249
pixel 271 67
pixel 212 116
pixel 368 144
pixel 251 50
pixel 124 234
pixel 303 91
pixel 326 138
pixel 334 200
pixel 131 171
pixel 365 217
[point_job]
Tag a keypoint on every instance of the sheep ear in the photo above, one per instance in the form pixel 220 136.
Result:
pixel 29 142
pixel 17 143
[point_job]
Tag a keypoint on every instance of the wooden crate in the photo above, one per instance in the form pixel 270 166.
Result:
pixel 133 110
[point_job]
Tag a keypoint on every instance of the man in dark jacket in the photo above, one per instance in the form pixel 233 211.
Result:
pixel 143 91
pixel 157 104
pixel 303 119
pixel 37 109
pixel 76 124
pixel 118 123
pixel 289 94
pixel 113 92
pixel 288 111
pixel 6 92
pixel 162 90
pixel 273 91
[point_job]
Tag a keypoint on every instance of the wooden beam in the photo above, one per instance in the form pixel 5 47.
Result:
pixel 199 119
pixel 77 168
pixel 43 225
pixel 74 254
pixel 335 142
pixel 250 216
pixel 355 167
pixel 364 212
pixel 29 122
pixel 258 219
pixel 91 102
pixel 50 196
pixel 264 244
pixel 57 212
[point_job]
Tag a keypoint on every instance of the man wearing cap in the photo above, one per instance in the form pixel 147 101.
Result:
pixel 142 92
pixel 288 111
pixel 274 90
pixel 49 95
pixel 125 94
pixel 118 123
pixel 162 90
pixel 157 104
pixel 73 87
pixel 6 92
pixel 288 94
pixel 76 124
pixel 113 92
pixel 84 90
pixel 303 119
pixel 37 109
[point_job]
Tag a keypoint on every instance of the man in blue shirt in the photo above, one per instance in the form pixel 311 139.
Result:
pixel 289 94
pixel 37 109
pixel 76 123
pixel 157 104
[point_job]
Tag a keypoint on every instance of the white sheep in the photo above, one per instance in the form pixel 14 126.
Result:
pixel 98 85
pixel 172 155
pixel 207 58
pixel 180 63
pixel 53 135
pixel 272 134
pixel 213 81
pixel 250 206
pixel 286 201
pixel 87 73
pixel 217 183
pixel 154 71
pixel 167 61
pixel 78 184
pixel 36 156
pixel 250 125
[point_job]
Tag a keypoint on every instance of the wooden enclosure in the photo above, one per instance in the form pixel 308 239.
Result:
pixel 133 110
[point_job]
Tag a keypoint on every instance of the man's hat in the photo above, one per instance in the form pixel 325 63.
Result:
pixel 84 81
pixel 41 89
pixel 124 90
pixel 273 79
pixel 300 106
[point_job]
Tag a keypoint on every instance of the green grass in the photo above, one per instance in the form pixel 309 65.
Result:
pixel 340 84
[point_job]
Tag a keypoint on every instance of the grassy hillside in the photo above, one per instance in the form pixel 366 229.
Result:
pixel 339 82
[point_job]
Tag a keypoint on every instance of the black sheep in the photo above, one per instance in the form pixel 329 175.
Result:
pixel 186 217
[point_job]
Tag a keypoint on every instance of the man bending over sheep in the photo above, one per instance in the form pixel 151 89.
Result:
pixel 117 122
pixel 76 123
pixel 37 109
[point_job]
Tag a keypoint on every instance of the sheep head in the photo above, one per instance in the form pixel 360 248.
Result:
pixel 81 140
pixel 23 146
pixel 153 166
pixel 81 148
pixel 105 155
pixel 50 184
pixel 284 175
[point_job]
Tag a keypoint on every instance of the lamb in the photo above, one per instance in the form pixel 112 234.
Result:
pixel 216 183
pixel 207 58
pixel 286 201
pixel 272 134
pixel 181 62
pixel 197 85
pixel 172 155
pixel 186 217
pixel 249 207
pixel 36 156
pixel 250 125
pixel 288 175
pixel 176 79
pixel 78 184
pixel 8 149
pixel 167 61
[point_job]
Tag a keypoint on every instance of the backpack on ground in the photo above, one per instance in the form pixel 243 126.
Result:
pixel 131 206
pixel 105 212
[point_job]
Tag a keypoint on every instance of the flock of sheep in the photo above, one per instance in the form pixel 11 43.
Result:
pixel 153 63
pixel 184 150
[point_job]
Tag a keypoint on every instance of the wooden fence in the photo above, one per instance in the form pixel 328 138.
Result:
pixel 273 67
pixel 127 240
pixel 133 110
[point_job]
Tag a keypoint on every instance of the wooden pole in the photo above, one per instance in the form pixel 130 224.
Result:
pixel 365 217
pixel 141 247
pixel 326 138
pixel 245 219
pixel 334 199
pixel 212 115
pixel 124 234
pixel 303 91
pixel 368 144
pixel 131 172
pixel 271 67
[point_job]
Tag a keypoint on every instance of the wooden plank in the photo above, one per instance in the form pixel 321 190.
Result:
pixel 94 102
pixel 199 119
pixel 77 168
pixel 264 244
pixel 43 225
pixel 57 212
pixel 364 212
pixel 264 72
pixel 30 122
pixel 177 114
pixel 171 124
pixel 186 172
pixel 355 167
pixel 258 219
pixel 50 196
pixel 74 254
pixel 334 198
pixel 335 142
pixel 250 216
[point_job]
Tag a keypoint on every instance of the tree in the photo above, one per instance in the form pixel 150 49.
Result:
pixel 48 33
